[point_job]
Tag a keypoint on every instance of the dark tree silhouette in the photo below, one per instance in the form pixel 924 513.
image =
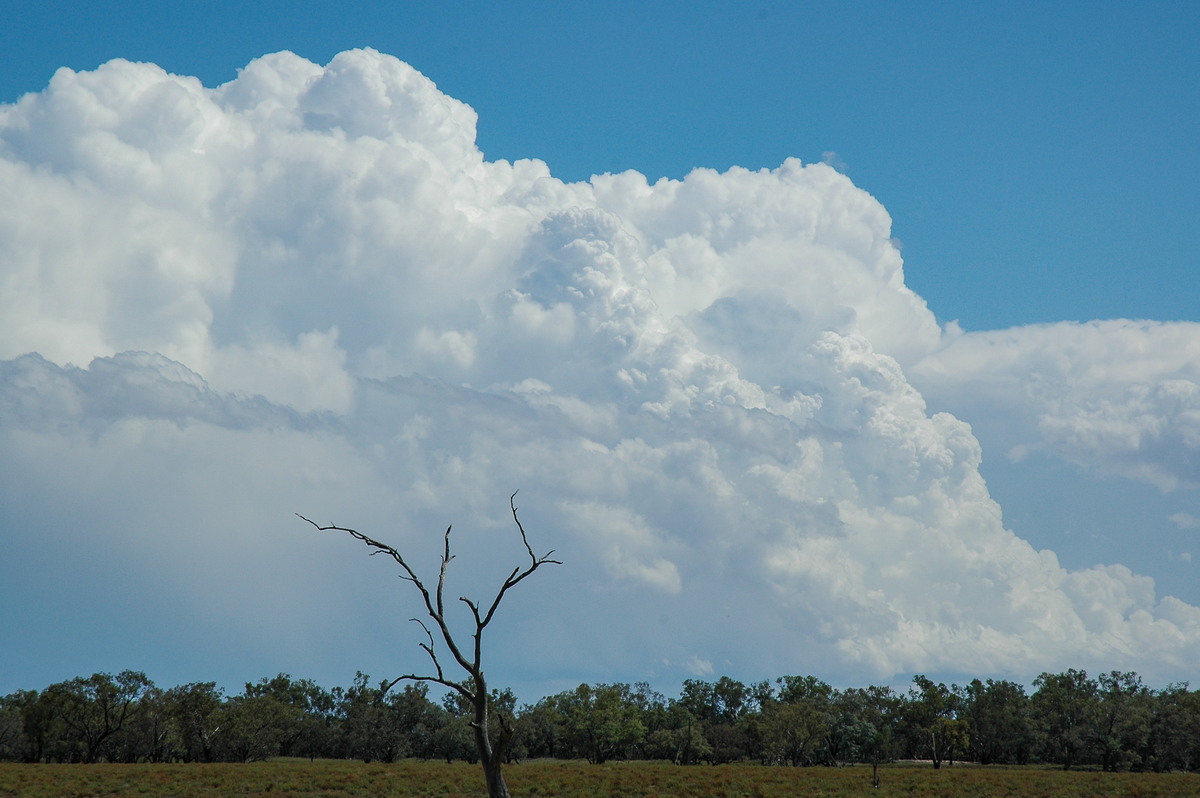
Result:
pixel 474 687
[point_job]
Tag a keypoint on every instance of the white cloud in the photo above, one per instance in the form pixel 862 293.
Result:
pixel 625 543
pixel 699 385
pixel 1185 520
pixel 308 375
pixel 1117 397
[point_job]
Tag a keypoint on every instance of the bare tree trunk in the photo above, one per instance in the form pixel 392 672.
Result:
pixel 491 757
pixel 491 754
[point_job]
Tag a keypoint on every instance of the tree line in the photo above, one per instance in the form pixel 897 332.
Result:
pixel 1114 722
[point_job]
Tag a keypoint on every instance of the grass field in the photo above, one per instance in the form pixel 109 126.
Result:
pixel 338 779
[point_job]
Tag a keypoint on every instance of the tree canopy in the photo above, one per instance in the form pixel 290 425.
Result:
pixel 1113 722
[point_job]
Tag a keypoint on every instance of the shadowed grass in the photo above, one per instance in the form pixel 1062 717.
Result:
pixel 410 779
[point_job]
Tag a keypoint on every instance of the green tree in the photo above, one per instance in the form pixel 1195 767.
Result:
pixel 14 746
pixel 720 707
pixel 600 722
pixel 545 729
pixel 420 717
pixel 932 720
pixel 95 708
pixel 150 734
pixel 1123 720
pixel 196 711
pixel 867 720
pixel 652 711
pixel 722 701
pixel 1175 729
pixel 309 715
pixel 253 727
pixel 680 737
pixel 794 732
pixel 454 737
pixel 997 715
pixel 45 733
pixel 371 730
pixel 675 745
pixel 1064 707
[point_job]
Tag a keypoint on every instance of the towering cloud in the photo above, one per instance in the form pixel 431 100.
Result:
pixel 308 290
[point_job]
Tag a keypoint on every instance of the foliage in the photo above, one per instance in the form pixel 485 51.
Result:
pixel 932 722
pixel 594 723
pixel 998 724
pixel 1123 721
pixel 1174 742
pixel 1065 710
pixel 91 711
pixel 1113 723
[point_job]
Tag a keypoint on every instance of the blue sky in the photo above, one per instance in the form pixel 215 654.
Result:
pixel 1037 166
pixel 1038 161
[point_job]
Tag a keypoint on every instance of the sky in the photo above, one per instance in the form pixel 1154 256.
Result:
pixel 855 340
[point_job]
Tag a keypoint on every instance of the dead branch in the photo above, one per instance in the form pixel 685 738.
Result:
pixel 474 688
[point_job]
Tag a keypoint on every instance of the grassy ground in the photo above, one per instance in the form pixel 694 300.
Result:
pixel 337 779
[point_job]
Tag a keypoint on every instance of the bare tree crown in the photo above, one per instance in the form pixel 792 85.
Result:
pixel 435 606
pixel 474 687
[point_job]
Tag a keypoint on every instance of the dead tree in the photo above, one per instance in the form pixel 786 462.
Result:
pixel 474 687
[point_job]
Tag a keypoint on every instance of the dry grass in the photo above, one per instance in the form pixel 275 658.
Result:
pixel 338 779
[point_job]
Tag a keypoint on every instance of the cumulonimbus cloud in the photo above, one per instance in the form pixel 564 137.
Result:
pixel 703 381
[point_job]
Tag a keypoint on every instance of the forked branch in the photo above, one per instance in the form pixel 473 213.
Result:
pixel 518 573
pixel 435 606
pixel 474 687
